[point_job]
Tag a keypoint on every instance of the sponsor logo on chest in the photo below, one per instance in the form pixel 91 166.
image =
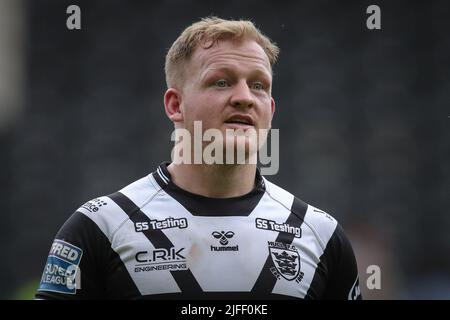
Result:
pixel 171 259
pixel 223 238
pixel 265 224
pixel 168 223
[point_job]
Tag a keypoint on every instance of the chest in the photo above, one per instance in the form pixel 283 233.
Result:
pixel 222 254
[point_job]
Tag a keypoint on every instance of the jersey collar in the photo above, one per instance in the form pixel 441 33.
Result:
pixel 199 205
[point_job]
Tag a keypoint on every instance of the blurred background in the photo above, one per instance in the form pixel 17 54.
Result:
pixel 364 122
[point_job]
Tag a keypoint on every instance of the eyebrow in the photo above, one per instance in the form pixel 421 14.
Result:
pixel 230 71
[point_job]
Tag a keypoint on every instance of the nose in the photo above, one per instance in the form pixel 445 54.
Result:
pixel 242 96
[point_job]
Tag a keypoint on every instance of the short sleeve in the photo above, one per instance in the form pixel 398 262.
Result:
pixel 343 280
pixel 76 256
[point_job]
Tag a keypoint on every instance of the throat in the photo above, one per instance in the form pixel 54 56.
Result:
pixel 214 181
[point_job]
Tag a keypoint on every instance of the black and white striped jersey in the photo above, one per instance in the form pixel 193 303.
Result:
pixel 153 239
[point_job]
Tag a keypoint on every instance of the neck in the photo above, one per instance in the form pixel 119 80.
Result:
pixel 214 181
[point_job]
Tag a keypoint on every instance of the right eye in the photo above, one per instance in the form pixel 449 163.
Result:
pixel 221 83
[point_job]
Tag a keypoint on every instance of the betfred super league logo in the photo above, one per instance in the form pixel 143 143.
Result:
pixel 286 260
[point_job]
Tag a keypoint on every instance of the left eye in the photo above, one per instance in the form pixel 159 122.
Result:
pixel 258 86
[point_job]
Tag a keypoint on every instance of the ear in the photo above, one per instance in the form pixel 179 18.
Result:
pixel 172 103
pixel 272 105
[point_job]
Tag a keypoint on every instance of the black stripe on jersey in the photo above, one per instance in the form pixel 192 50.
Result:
pixel 336 271
pixel 199 205
pixel 266 280
pixel 184 278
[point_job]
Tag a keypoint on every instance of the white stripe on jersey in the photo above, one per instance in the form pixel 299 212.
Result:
pixel 161 174
pixel 278 194
pixel 141 191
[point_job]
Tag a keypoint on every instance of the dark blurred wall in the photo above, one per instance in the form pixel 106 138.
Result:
pixel 363 118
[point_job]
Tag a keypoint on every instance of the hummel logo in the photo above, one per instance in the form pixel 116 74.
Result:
pixel 223 236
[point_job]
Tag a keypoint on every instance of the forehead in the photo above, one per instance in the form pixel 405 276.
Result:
pixel 228 53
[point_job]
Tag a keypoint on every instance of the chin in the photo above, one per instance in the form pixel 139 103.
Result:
pixel 240 150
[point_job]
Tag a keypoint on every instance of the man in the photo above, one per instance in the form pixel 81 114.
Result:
pixel 206 230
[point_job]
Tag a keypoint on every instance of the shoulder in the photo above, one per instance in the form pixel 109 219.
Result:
pixel 326 240
pixel 109 212
pixel 321 223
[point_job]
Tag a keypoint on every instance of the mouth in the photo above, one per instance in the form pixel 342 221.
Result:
pixel 240 120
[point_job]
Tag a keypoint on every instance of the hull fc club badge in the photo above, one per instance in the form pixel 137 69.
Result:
pixel 286 261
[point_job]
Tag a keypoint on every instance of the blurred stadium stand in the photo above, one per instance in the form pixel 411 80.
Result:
pixel 363 118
